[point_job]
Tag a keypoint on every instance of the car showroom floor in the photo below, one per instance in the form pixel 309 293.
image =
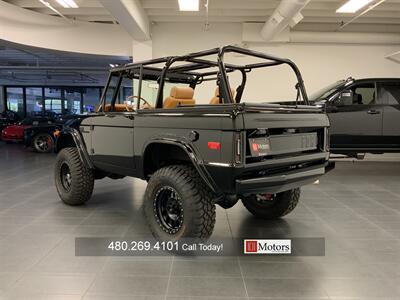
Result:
pixel 356 208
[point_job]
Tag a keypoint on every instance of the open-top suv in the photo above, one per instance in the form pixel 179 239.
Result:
pixel 194 156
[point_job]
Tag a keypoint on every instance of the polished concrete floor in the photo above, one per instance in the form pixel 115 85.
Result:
pixel 356 208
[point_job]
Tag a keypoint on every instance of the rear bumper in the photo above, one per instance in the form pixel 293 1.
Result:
pixel 282 182
pixel 270 176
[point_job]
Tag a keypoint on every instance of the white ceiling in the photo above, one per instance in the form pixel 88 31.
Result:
pixel 319 15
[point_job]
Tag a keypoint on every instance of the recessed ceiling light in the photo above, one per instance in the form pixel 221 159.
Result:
pixel 188 5
pixel 68 3
pixel 353 6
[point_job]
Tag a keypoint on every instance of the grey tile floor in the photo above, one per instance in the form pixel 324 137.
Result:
pixel 356 208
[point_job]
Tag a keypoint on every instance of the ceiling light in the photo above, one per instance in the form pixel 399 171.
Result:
pixel 68 3
pixel 353 6
pixel 188 5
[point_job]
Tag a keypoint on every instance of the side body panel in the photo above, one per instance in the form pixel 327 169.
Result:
pixel 109 139
pixel 179 127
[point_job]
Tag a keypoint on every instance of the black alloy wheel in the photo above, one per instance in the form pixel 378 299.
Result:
pixel 43 143
pixel 168 209
pixel 66 177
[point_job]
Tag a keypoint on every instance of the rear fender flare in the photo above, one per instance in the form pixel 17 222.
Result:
pixel 193 156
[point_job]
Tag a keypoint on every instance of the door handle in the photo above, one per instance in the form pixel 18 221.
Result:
pixel 373 112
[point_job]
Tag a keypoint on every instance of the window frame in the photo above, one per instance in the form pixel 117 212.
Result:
pixel 353 86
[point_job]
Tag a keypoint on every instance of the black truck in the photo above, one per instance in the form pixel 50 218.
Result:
pixel 194 156
pixel 364 115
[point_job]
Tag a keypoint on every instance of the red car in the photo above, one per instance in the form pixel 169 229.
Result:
pixel 15 133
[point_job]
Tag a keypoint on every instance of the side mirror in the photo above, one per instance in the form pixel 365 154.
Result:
pixel 345 98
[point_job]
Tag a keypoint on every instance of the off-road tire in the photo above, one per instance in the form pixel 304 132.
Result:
pixel 37 147
pixel 283 204
pixel 196 200
pixel 82 179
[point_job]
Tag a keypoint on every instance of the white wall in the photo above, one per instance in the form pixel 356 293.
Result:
pixel 320 64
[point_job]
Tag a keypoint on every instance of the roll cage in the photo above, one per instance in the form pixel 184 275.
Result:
pixel 193 71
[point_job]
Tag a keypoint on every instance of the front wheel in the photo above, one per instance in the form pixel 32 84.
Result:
pixel 177 204
pixel 272 206
pixel 43 143
pixel 74 180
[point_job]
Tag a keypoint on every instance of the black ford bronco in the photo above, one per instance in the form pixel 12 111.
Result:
pixel 194 156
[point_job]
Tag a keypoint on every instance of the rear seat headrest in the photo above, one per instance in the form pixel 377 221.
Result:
pixel 182 92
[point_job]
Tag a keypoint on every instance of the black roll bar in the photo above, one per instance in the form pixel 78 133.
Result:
pixel 196 61
pixel 278 61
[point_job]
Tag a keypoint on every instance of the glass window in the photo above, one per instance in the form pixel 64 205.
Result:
pixel 15 100
pixel 34 101
pixel 91 98
pixel 364 94
pixel 72 101
pixel 390 93
pixel 124 99
pixel 53 100
pixel 125 93
pixel 150 91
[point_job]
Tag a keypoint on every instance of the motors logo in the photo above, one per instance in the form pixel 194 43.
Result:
pixel 251 246
pixel 259 146
pixel 267 247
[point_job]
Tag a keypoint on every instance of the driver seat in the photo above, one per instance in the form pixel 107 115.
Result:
pixel 217 99
pixel 179 96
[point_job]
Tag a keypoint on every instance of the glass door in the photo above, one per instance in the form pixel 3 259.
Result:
pixel 15 100
pixel 72 101
pixel 34 101
pixel 53 100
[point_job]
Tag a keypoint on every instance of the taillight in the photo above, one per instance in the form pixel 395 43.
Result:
pixel 214 145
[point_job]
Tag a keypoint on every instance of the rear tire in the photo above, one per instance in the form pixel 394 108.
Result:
pixel 177 204
pixel 281 204
pixel 74 180
pixel 43 143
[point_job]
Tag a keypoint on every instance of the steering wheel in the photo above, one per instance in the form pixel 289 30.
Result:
pixel 129 108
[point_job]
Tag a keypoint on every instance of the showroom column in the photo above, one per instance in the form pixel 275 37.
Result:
pixel 142 50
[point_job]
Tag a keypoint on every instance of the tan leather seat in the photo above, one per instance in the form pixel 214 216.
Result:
pixel 179 96
pixel 217 100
